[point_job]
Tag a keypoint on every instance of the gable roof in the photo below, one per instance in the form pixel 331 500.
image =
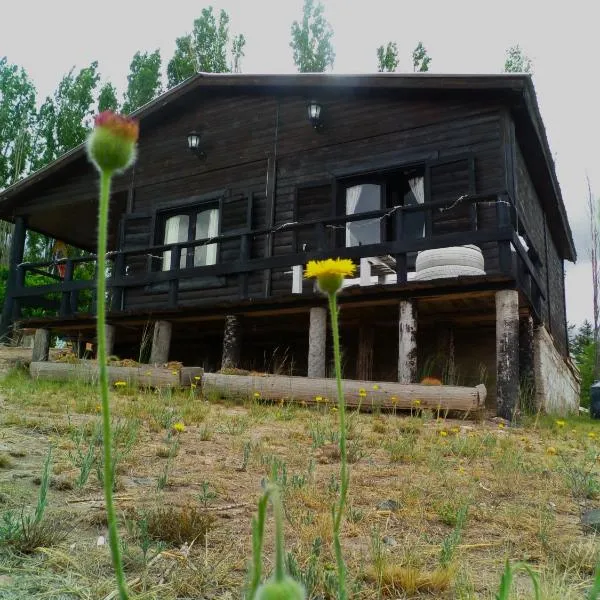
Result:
pixel 515 89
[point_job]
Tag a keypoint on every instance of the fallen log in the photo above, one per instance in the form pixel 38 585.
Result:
pixel 142 376
pixel 367 395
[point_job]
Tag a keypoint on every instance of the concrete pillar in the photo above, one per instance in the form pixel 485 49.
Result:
pixel 161 343
pixel 507 353
pixel 317 340
pixel 110 339
pixel 232 342
pixel 41 345
pixel 407 342
pixel 527 363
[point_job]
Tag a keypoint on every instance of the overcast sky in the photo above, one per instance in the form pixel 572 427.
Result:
pixel 48 38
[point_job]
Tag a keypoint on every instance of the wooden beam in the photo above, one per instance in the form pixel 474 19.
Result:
pixel 387 396
pixel 143 376
pixel 366 344
pixel 11 308
pixel 41 345
pixel 317 342
pixel 526 362
pixel 232 342
pixel 407 342
pixel 161 343
pixel 507 353
pixel 110 339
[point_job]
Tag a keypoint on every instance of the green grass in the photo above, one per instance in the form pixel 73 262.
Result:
pixel 524 487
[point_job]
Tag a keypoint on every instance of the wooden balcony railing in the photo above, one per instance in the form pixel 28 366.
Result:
pixel 66 293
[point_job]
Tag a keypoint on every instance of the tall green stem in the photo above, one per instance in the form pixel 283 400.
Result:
pixel 113 539
pixel 344 475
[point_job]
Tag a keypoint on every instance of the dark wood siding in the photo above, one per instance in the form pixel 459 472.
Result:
pixel 242 135
pixel 533 223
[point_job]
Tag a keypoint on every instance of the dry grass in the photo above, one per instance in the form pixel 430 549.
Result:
pixel 411 477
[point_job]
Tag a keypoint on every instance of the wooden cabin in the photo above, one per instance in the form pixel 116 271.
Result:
pixel 241 179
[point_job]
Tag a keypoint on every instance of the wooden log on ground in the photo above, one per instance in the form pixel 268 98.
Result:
pixel 41 345
pixel 142 376
pixel 362 394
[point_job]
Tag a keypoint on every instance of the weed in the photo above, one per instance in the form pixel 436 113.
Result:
pixel 176 526
pixel 452 540
pixel 137 528
pixel 206 433
pixel 318 434
pixel 206 495
pixel 311 575
pixel 354 515
pixel 581 477
pixel 402 449
pixel 5 461
pixel 236 425
pixel 162 479
pixel 25 532
pixel 83 457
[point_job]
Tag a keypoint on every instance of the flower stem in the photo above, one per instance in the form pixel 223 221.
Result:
pixel 113 539
pixel 279 545
pixel 338 511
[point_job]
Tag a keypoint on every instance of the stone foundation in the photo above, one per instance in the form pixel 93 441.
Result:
pixel 556 378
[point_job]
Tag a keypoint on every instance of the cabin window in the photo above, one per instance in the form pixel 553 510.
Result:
pixel 383 191
pixel 199 223
pixel 362 198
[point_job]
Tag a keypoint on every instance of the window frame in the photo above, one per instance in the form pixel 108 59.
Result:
pixel 191 207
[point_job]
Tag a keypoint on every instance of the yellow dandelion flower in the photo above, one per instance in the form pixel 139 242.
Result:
pixel 318 398
pixel 333 409
pixel 417 402
pixel 501 425
pixel 98 408
pixel 179 427
pixel 174 372
pixel 455 430
pixel 256 395
pixel 394 400
pixel 362 393
pixel 197 378
pixel 591 434
pixel 329 273
pixel 443 433
pixel 560 423
pixel 120 383
pixel 193 386
pixel 375 387
pixel 551 450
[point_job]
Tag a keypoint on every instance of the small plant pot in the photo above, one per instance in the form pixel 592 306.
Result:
pixel 595 400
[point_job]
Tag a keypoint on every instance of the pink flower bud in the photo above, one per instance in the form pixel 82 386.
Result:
pixel 111 145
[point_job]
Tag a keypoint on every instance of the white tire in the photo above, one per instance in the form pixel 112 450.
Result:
pixel 447 272
pixel 460 256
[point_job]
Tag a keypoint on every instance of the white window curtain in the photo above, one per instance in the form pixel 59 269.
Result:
pixel 417 187
pixel 416 221
pixel 176 230
pixel 363 198
pixel 352 198
pixel 207 226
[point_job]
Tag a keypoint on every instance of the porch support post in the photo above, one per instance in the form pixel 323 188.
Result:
pixel 232 342
pixel 110 339
pixel 317 340
pixel 364 360
pixel 161 343
pixel 507 353
pixel 407 342
pixel 17 249
pixel 41 346
pixel 526 362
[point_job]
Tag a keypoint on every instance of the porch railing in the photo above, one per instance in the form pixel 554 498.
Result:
pixel 513 259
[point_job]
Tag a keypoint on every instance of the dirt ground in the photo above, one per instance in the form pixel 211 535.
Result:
pixel 521 492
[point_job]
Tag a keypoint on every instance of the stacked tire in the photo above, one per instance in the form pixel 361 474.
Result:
pixel 444 263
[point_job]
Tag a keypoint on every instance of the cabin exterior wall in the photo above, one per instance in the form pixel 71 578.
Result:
pixel 264 147
pixel 550 264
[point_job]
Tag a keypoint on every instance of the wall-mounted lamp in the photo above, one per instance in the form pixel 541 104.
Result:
pixel 314 115
pixel 193 140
